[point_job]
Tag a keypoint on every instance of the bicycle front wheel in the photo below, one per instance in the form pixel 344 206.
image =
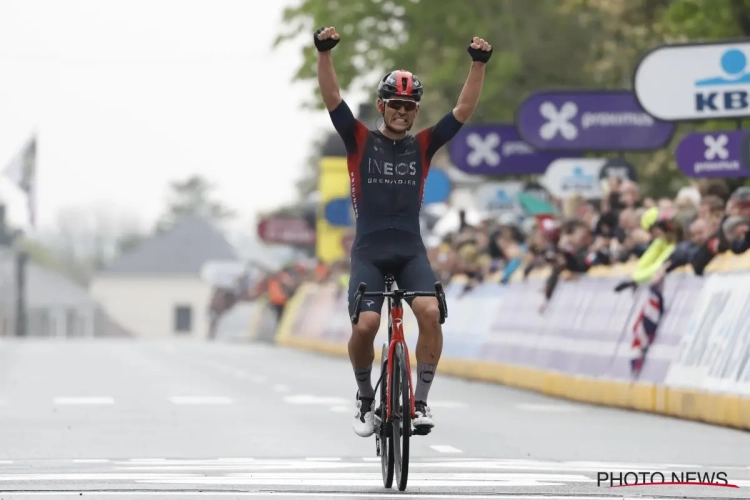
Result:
pixel 384 436
pixel 401 424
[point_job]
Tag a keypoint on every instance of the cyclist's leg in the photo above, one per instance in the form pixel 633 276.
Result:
pixel 417 275
pixel 361 348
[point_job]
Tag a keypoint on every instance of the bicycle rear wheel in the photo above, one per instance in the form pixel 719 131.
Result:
pixel 401 423
pixel 383 435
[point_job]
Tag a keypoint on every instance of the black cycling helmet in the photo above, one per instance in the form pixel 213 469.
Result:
pixel 400 83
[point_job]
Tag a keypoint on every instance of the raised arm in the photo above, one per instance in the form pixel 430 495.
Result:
pixel 480 52
pixel 325 40
pixel 435 137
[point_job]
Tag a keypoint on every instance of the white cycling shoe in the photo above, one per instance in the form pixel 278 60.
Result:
pixel 364 419
pixel 423 423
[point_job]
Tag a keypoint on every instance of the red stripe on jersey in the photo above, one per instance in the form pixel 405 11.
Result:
pixel 353 162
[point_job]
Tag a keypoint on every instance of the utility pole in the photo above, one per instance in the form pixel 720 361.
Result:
pixel 20 260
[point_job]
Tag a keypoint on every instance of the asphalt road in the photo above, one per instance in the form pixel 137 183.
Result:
pixel 126 419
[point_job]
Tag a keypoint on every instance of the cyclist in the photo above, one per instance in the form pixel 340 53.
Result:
pixel 387 171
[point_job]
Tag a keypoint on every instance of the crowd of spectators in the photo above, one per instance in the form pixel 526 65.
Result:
pixel 703 220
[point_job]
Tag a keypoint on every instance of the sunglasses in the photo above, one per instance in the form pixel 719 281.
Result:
pixel 399 103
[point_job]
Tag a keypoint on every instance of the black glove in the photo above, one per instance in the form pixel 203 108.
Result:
pixel 324 45
pixel 625 285
pixel 478 54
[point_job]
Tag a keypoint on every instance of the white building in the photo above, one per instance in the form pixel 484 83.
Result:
pixel 156 291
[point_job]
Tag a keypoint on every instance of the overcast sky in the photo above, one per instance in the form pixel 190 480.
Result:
pixel 127 95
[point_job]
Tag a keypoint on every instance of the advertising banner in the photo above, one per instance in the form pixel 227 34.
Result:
pixel 574 176
pixel 499 197
pixel 586 329
pixel 497 149
pixel 713 154
pixel 714 353
pixel 590 120
pixel 333 184
pixel 286 231
pixel 695 81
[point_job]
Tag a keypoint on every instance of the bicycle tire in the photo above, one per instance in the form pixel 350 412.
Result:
pixel 401 425
pixel 385 443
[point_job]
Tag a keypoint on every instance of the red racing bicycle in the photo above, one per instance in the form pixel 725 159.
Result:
pixel 395 411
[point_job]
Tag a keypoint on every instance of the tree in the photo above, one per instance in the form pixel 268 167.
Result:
pixel 431 38
pixel 88 238
pixel 192 196
pixel 537 45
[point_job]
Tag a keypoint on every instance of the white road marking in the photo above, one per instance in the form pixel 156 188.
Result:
pixel 323 459
pixel 372 480
pixel 6 462
pixel 92 477
pixel 255 466
pixel 90 461
pixel 444 448
pixel 147 460
pixel 236 494
pixel 373 463
pixel 547 408
pixel 341 409
pixel 307 399
pixel 83 401
pixel 281 388
pixel 610 466
pixel 200 400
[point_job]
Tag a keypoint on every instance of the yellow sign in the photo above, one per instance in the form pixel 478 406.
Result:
pixel 333 183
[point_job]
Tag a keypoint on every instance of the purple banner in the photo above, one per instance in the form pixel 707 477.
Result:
pixel 497 149
pixel 594 120
pixel 713 154
pixel 587 328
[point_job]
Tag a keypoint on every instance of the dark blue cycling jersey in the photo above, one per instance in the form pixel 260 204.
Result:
pixel 387 179
pixel 388 176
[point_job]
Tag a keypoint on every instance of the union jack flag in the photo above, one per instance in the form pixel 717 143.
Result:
pixel 644 329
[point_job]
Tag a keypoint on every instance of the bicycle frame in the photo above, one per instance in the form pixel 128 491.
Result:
pixel 396 336
pixel 396 329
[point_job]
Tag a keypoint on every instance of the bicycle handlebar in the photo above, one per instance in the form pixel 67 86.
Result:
pixel 439 293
